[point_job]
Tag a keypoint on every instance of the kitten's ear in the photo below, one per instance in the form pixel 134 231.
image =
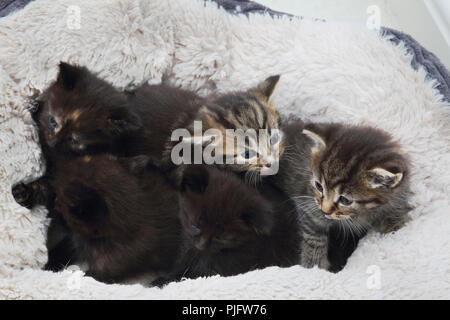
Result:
pixel 68 75
pixel 259 219
pixel 267 87
pixel 123 120
pixel 319 142
pixel 379 177
pixel 195 178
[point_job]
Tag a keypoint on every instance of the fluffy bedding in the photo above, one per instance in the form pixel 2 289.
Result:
pixel 330 72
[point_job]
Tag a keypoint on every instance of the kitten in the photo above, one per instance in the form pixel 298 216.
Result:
pixel 124 226
pixel 256 144
pixel 82 114
pixel 340 176
pixel 106 124
pixel 231 228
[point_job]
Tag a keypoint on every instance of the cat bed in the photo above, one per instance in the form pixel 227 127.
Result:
pixel 331 71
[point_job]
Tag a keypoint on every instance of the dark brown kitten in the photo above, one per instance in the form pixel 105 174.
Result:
pixel 231 228
pixel 123 226
pixel 351 177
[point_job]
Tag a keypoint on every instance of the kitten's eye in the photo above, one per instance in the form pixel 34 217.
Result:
pixel 274 139
pixel 345 201
pixel 248 154
pixel 52 122
pixel 319 186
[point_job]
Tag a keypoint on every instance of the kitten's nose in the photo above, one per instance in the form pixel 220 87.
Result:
pixel 327 208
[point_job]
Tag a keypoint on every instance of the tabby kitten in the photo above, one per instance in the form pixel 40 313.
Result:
pixel 231 228
pixel 123 225
pixel 342 176
pixel 256 144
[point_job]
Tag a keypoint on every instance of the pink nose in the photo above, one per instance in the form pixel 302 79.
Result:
pixel 328 209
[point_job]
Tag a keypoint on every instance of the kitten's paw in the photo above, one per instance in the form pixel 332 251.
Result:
pixel 324 263
pixel 316 256
pixel 307 261
pixel 23 194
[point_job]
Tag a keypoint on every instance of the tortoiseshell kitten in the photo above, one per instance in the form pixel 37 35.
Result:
pixel 108 126
pixel 57 117
pixel 231 228
pixel 340 176
pixel 124 225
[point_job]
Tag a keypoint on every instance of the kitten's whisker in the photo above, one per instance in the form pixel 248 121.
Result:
pixel 299 197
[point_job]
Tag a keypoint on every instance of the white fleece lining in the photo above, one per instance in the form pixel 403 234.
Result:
pixel 330 72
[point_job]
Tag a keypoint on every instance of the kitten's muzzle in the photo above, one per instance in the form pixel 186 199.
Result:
pixel 336 216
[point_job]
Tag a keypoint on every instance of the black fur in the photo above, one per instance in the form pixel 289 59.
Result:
pixel 231 228
pixel 123 226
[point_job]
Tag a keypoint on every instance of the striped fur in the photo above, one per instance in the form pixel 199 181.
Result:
pixel 351 177
pixel 249 110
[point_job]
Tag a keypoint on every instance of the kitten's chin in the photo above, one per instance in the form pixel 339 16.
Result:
pixel 336 218
pixel 265 171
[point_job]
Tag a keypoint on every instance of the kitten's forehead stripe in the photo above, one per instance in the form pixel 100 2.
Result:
pixel 253 107
pixel 224 121
pixel 219 116
pixel 343 159
pixel 261 110
pixel 235 120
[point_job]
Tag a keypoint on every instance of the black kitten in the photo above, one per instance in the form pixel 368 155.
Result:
pixel 123 226
pixel 231 228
